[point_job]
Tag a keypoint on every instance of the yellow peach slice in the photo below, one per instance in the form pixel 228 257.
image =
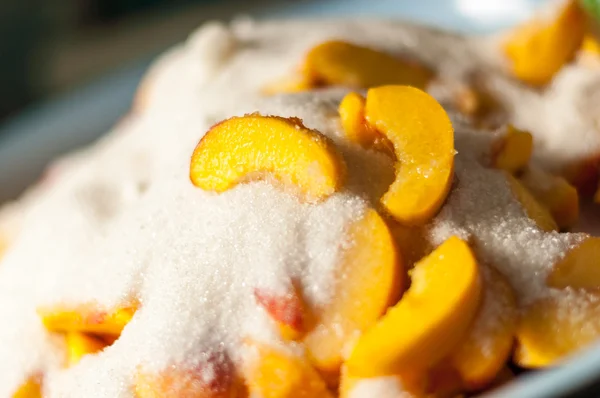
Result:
pixel 489 341
pixel 590 44
pixel 289 84
pixel 555 193
pixel 513 151
pixel 352 116
pixel 423 140
pixel 287 310
pixel 86 318
pixel 429 321
pixel 578 269
pixel 218 381
pixel 30 389
pixel 80 344
pixel 276 374
pixel 534 210
pixel 539 48
pixel 252 146
pixel 555 327
pixel 346 64
pixel 369 279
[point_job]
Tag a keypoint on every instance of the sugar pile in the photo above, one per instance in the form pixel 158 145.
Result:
pixel 121 220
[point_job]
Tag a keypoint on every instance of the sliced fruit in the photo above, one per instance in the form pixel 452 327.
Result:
pixel 352 116
pixel 489 341
pixel 80 344
pixel 444 382
pixel 583 174
pixel 539 48
pixel 423 140
pixel 579 268
pixel 252 146
pixel 412 242
pixel 368 281
pixel 86 318
pixel 552 328
pixel 429 321
pixel 276 374
pixel 555 193
pixel 513 151
pixel 590 44
pixel 504 376
pixel 213 379
pixel 30 389
pixel 533 209
pixel 341 63
pixel 479 104
pixel 406 386
pixel 287 310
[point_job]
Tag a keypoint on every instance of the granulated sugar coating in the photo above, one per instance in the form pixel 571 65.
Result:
pixel 120 222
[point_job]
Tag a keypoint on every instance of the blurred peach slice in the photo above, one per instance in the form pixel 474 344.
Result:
pixel 30 389
pixel 81 344
pixel 368 282
pixel 532 208
pixel 287 310
pixel 87 318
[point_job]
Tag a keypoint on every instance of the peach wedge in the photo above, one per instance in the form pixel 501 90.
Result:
pixel 276 374
pixel 429 321
pixel 286 310
pixel 370 276
pixel 190 382
pixel 532 208
pixel 555 327
pixel 489 341
pixel 578 269
pixel 29 389
pixel 554 192
pixel 346 64
pixel 512 152
pixel 540 47
pixel 81 344
pixel 254 146
pixel 423 140
pixel 86 318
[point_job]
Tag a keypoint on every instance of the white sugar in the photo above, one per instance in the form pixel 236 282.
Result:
pixel 384 387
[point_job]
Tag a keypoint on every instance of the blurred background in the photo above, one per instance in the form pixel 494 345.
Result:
pixel 69 68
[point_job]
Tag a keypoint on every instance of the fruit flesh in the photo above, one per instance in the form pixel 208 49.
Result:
pixel 30 389
pixel 489 341
pixel 578 269
pixel 287 310
pixel 513 151
pixel 555 193
pixel 80 344
pixel 277 374
pixel 538 49
pixel 534 210
pixel 254 146
pixel 346 64
pixel 555 327
pixel 429 321
pixel 369 279
pixel 423 140
pixel 87 318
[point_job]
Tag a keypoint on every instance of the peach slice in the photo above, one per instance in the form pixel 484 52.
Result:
pixel 555 193
pixel 276 374
pixel 555 327
pixel 489 341
pixel 341 63
pixel 412 242
pixel 287 310
pixel 513 151
pixel 423 140
pixel 590 44
pixel 217 379
pixel 352 116
pixel 533 209
pixel 578 269
pixel 87 318
pixel 252 146
pixel 369 279
pixel 80 344
pixel 429 321
pixel 288 84
pixel 30 389
pixel 539 48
